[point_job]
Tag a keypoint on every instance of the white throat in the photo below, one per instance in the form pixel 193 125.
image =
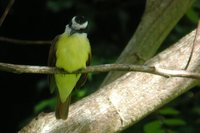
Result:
pixel 67 30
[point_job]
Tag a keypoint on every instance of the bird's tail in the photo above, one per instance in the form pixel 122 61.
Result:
pixel 62 108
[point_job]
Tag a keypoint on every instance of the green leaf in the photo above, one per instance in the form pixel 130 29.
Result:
pixel 192 16
pixel 196 110
pixel 81 93
pixel 57 5
pixel 48 103
pixel 89 76
pixel 174 122
pixel 153 127
pixel 168 111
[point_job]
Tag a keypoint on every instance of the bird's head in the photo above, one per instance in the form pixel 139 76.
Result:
pixel 78 24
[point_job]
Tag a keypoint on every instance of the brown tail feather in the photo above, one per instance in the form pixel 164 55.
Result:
pixel 62 108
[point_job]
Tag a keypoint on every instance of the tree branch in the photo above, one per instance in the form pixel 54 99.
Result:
pixel 195 42
pixel 19 69
pixel 128 99
pixel 18 41
pixel 11 2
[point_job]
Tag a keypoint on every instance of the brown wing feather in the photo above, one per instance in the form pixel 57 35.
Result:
pixel 52 62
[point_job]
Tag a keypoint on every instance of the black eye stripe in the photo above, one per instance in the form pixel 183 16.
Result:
pixel 78 31
pixel 80 19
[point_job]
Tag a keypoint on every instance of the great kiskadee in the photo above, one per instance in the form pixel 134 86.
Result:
pixel 69 51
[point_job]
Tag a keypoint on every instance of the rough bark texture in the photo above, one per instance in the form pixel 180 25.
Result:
pixel 159 18
pixel 128 99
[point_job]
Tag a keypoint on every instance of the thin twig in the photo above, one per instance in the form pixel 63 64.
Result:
pixel 195 42
pixel 11 2
pixel 99 68
pixel 18 41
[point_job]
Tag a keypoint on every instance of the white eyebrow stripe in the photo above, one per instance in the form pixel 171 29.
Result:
pixel 78 26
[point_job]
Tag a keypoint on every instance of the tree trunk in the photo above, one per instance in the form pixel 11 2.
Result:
pixel 159 19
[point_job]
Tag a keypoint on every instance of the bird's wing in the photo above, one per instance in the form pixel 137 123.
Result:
pixel 83 77
pixel 51 63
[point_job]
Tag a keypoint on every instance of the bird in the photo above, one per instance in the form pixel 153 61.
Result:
pixel 69 51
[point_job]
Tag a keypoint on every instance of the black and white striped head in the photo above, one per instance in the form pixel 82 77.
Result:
pixel 78 24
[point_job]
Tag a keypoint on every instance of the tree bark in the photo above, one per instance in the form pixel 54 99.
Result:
pixel 159 19
pixel 19 69
pixel 128 99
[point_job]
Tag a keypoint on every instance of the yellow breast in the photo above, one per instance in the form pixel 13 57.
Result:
pixel 72 54
pixel 72 51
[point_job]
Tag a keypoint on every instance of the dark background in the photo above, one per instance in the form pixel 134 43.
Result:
pixel 111 25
